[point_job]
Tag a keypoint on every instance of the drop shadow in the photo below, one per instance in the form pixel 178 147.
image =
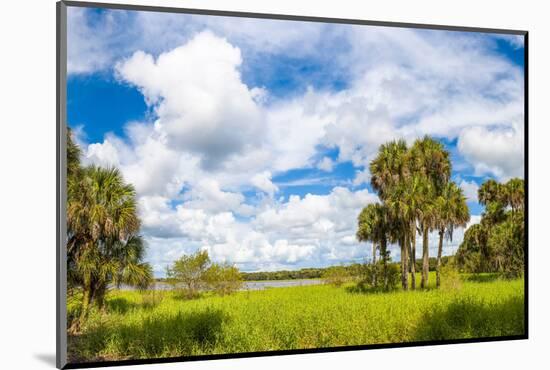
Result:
pixel 46 358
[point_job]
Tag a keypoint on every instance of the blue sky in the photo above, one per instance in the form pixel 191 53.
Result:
pixel 251 138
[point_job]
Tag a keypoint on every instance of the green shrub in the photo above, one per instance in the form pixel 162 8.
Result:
pixel 376 277
pixel 189 270
pixel 336 275
pixel 450 277
pixel 223 279
pixel 193 274
pixel 150 298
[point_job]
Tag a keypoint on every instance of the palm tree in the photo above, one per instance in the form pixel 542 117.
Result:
pixel 73 176
pixel 490 191
pixel 414 197
pixel 366 231
pixel 73 156
pixel 428 158
pixel 389 167
pixel 402 213
pixel 516 194
pixel 100 206
pixel 426 221
pixel 388 170
pixel 103 246
pixel 451 212
pixel 373 226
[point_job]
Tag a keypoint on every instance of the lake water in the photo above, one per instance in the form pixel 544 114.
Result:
pixel 260 285
pixel 248 285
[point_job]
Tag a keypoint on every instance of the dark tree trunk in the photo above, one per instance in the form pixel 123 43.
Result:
pixel 374 264
pixel 77 324
pixel 404 264
pixel 413 257
pixel 383 255
pixel 425 257
pixel 439 252
pixel 99 296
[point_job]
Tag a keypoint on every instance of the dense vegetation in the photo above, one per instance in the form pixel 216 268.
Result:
pixel 496 244
pixel 137 325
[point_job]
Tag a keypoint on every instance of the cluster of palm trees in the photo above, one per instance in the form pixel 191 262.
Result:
pixel 417 196
pixel 103 245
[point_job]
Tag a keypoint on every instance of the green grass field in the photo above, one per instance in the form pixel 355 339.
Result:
pixel 146 325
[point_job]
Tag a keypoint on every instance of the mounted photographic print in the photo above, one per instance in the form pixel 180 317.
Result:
pixel 237 184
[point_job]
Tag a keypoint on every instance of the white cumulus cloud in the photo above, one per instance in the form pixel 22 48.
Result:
pixel 213 138
pixel 263 182
pixel 199 98
pixel 497 152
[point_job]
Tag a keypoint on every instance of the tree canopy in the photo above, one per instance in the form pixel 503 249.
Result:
pixel 497 243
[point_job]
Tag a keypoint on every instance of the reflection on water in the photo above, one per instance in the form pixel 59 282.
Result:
pixel 247 285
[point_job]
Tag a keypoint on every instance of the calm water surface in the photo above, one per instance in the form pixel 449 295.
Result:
pixel 248 285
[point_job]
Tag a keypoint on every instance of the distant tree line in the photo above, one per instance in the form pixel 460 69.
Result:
pixel 350 270
pixel 305 273
pixel 497 243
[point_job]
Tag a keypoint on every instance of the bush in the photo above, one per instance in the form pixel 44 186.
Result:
pixel 223 279
pixel 195 273
pixel 506 240
pixel 337 275
pixel 190 270
pixel 450 277
pixel 393 276
pixel 374 277
pixel 150 298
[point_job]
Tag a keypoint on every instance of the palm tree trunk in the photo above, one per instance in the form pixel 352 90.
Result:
pixel 425 257
pixel 86 301
pixel 404 264
pixel 383 253
pixel 439 251
pixel 374 264
pixel 413 257
pixel 403 271
pixel 99 296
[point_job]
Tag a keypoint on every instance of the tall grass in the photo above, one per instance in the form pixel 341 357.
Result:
pixel 136 326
